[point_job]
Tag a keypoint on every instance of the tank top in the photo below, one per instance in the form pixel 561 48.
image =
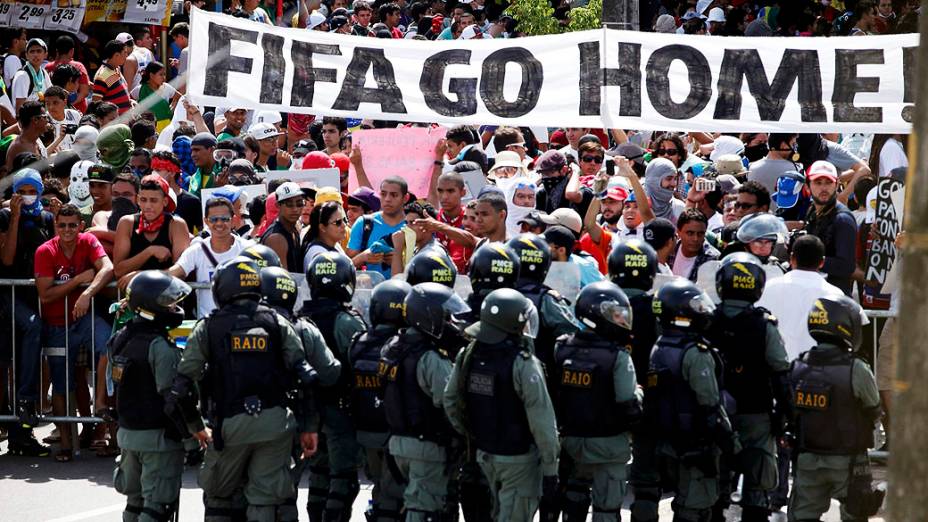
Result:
pixel 138 243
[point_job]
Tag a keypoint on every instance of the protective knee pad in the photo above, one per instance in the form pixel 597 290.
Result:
pixel 609 514
pixel 576 510
pixel 287 511
pixel 645 507
pixel 314 510
pixel 217 514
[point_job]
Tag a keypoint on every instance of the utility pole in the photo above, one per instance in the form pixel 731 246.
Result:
pixel 908 465
pixel 621 14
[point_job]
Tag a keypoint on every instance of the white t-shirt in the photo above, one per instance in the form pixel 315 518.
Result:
pixel 716 222
pixel 682 265
pixel 71 117
pixel 195 259
pixel 11 66
pixel 315 250
pixel 182 61
pixel 892 156
pixel 21 83
pixel 144 57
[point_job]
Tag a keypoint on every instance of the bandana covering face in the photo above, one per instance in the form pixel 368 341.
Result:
pixel 32 206
pixel 657 170
pixel 85 143
pixel 115 145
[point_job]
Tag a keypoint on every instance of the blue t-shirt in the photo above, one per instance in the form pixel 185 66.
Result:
pixel 589 270
pixel 379 231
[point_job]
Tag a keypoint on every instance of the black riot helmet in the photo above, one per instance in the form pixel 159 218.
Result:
pixel 504 313
pixel 431 265
pixel 236 279
pixel 493 265
pixel 603 307
pixel 262 254
pixel 681 305
pixel 153 295
pixel 430 307
pixel 279 288
pixel 633 264
pixel 388 300
pixel 534 256
pixel 331 275
pixel 836 320
pixel 740 276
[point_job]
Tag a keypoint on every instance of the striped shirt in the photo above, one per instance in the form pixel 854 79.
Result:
pixel 109 85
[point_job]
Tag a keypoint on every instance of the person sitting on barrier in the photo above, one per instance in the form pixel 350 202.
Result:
pixel 62 265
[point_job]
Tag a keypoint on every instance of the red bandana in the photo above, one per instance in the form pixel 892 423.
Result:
pixel 165 165
pixel 148 227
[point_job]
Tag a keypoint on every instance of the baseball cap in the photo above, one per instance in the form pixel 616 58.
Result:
pixel 100 174
pixel 37 41
pixel 617 193
pixel 629 151
pixel 566 217
pixel 228 192
pixel 726 145
pixel 533 219
pixel 561 236
pixel 342 163
pixel 268 117
pixel 550 160
pixel 788 190
pixel 317 160
pixel 315 18
pixel 471 32
pixel 365 197
pixel 288 190
pixel 203 139
pixel 729 164
pixel 337 22
pixel 728 183
pixel 822 168
pixel 260 131
pixel 325 194
pixel 125 38
pixel 658 231
pixel 689 15
pixel 716 14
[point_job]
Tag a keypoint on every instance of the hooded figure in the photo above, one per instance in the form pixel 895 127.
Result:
pixel 85 143
pixel 515 212
pixel 661 198
pixel 32 205
pixel 115 146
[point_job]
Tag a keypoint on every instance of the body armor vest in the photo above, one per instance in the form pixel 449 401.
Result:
pixel 324 314
pixel 831 420
pixel 246 358
pixel 644 333
pixel 138 402
pixel 366 393
pixel 742 343
pixel 544 341
pixel 496 413
pixel 409 410
pixel 584 399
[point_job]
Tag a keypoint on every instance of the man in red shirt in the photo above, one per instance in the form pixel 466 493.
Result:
pixel 70 259
pixel 64 54
pixel 449 227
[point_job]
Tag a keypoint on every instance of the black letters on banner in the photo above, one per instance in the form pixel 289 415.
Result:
pixel 221 60
pixel 909 60
pixel 305 75
pixel 353 92
pixel 658 81
pixel 493 76
pixel 882 251
pixel 801 64
pixel 430 83
pixel 848 84
pixel 627 77
pixel 272 79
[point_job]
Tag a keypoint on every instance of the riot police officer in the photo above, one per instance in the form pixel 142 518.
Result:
pixel 835 417
pixel 431 264
pixel 144 362
pixel 632 266
pixel 497 395
pixel 413 371
pixel 684 402
pixel 242 356
pixel 756 375
pixel 280 293
pixel 263 255
pixel 331 278
pixel 493 265
pixel 386 313
pixel 597 399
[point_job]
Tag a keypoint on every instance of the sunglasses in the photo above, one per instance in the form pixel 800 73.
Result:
pixel 67 225
pixel 592 159
pixel 516 146
pixel 339 222
pixel 219 219
pixel 667 152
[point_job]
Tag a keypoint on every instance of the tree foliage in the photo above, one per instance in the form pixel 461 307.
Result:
pixel 536 17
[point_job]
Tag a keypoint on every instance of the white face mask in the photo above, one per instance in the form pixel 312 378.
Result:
pixel 28 200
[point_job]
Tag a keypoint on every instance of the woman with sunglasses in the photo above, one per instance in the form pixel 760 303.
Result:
pixel 328 228
pixel 670 146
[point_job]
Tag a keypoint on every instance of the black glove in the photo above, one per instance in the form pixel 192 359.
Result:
pixel 194 457
pixel 549 487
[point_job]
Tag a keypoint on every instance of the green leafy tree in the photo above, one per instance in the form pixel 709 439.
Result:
pixel 588 17
pixel 535 17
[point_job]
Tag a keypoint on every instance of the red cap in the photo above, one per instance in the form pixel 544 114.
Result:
pixel 157 179
pixel 341 161
pixel 822 168
pixel 617 193
pixel 317 160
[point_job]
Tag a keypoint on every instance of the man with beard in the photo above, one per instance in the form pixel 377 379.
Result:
pixel 833 223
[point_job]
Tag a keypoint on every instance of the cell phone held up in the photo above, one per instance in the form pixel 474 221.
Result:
pixel 704 185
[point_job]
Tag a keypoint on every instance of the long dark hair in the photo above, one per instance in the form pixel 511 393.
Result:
pixel 153 67
pixel 321 214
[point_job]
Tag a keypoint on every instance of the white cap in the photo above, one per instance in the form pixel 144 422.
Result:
pixel 125 38
pixel 260 131
pixel 716 14
pixel 287 191
pixel 315 18
pixel 268 117
pixel 726 145
pixel 471 32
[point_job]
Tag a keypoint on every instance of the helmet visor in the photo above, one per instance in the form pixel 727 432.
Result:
pixel 702 304
pixel 616 313
pixel 173 294
pixel 454 305
pixel 762 226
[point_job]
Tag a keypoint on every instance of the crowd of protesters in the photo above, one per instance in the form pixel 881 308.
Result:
pixel 102 181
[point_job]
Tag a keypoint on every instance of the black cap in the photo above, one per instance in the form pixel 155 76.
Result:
pixel 100 173
pixel 658 231
pixel 559 235
pixel 204 139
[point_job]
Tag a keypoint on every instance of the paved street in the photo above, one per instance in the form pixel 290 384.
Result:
pixel 44 490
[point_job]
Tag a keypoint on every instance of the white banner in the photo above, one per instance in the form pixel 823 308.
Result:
pixel 604 78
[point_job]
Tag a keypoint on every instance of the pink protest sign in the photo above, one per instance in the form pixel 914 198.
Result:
pixel 405 152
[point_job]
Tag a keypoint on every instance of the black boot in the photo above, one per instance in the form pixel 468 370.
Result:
pixel 315 511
